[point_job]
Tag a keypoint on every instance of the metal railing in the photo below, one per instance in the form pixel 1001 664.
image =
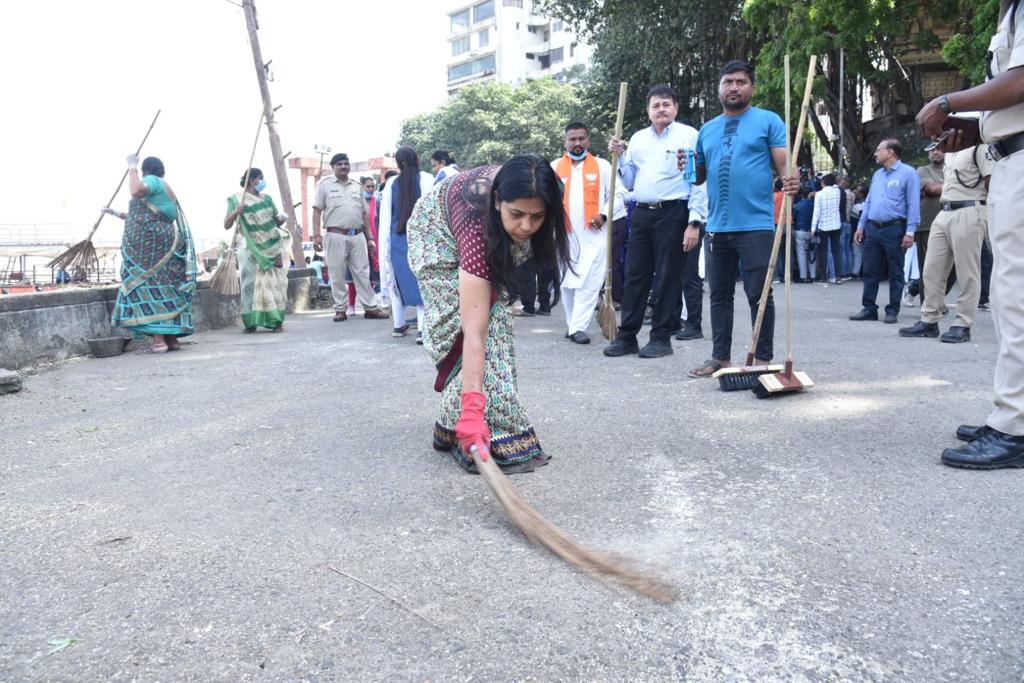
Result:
pixel 35 233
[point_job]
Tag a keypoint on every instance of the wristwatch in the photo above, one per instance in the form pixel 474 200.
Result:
pixel 944 104
pixel 697 224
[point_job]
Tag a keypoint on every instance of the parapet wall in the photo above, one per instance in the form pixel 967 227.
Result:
pixel 52 326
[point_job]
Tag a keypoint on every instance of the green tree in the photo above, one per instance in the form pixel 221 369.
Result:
pixel 966 49
pixel 492 122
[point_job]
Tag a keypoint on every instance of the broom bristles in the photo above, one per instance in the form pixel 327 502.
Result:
pixel 541 531
pixel 608 321
pixel 81 255
pixel 225 278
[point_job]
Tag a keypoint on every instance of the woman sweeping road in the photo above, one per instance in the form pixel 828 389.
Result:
pixel 158 269
pixel 263 255
pixel 465 240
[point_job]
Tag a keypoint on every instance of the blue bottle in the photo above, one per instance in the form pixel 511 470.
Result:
pixel 691 166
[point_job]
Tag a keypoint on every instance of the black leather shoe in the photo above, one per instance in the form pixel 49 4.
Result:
pixel 656 349
pixel 579 337
pixel 971 432
pixel 956 335
pixel 891 318
pixel 865 314
pixel 689 332
pixel 620 347
pixel 920 329
pixel 992 450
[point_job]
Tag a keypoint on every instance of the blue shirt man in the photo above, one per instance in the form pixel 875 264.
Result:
pixel 886 228
pixel 803 214
pixel 735 154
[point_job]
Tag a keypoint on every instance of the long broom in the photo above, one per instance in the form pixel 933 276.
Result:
pixel 542 532
pixel 789 381
pixel 606 314
pixel 83 254
pixel 225 279
pixel 747 376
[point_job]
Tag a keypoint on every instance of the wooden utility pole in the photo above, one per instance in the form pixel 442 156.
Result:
pixel 285 189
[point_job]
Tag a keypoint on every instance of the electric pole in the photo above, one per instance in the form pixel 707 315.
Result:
pixel 287 205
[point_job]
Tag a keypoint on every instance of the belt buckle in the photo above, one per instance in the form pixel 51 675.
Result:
pixel 946 206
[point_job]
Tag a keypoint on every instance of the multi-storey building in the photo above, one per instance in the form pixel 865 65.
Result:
pixel 505 40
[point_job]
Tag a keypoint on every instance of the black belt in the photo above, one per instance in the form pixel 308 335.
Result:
pixel 659 205
pixel 1008 146
pixel 351 232
pixel 888 224
pixel 953 206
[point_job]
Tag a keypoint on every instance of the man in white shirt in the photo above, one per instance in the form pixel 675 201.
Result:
pixel 829 206
pixel 667 223
pixel 586 179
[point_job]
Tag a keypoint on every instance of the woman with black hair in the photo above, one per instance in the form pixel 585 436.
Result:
pixel 263 254
pixel 396 277
pixel 442 163
pixel 158 261
pixel 465 240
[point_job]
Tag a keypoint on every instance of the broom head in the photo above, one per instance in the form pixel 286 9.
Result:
pixel 81 255
pixel 607 319
pixel 540 531
pixel 786 382
pixel 744 378
pixel 225 278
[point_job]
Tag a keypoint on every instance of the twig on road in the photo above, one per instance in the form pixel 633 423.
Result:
pixel 381 593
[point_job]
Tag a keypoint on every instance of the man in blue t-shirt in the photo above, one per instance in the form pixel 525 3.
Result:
pixel 736 153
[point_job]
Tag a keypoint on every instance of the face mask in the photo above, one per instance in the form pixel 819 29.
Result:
pixel 261 185
pixel 367 195
pixel 577 157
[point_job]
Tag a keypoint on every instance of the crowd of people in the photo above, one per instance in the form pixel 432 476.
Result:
pixel 468 250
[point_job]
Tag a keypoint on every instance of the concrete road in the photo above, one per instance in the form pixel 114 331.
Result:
pixel 268 508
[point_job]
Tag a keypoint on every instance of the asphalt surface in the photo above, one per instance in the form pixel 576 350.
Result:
pixel 268 508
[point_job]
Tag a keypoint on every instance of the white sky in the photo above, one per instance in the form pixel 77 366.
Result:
pixel 82 80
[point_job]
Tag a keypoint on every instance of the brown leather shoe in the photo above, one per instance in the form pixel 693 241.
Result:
pixel 375 313
pixel 340 316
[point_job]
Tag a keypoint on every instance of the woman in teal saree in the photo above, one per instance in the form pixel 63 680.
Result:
pixel 158 261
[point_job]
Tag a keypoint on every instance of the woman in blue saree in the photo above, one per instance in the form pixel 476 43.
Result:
pixel 158 261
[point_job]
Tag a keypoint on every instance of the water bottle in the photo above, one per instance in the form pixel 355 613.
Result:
pixel 691 166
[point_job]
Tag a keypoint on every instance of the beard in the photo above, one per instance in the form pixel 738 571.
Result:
pixel 735 104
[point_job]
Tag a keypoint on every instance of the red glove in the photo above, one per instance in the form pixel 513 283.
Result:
pixel 471 429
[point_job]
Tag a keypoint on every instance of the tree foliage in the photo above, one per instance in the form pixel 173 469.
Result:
pixel 966 49
pixel 492 122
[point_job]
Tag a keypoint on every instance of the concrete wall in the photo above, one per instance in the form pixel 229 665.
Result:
pixel 52 326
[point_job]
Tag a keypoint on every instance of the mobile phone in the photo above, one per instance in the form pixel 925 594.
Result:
pixel 969 128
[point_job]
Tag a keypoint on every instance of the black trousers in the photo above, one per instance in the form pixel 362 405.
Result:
pixel 693 286
pixel 619 229
pixel 826 238
pixel 754 248
pixel 655 245
pixel 534 285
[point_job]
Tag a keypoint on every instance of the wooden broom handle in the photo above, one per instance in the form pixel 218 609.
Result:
pixel 245 181
pixel 123 177
pixel 619 115
pixel 804 106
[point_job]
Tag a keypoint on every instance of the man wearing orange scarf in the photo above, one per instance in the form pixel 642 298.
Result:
pixel 585 199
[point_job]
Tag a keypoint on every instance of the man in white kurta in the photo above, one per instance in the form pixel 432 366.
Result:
pixel 582 173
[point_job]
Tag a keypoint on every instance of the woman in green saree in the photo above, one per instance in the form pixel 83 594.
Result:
pixel 158 261
pixel 263 255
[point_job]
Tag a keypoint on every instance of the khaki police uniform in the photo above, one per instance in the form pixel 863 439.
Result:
pixel 957 235
pixel 1006 231
pixel 343 208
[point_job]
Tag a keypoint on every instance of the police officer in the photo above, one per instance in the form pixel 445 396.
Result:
pixel 999 442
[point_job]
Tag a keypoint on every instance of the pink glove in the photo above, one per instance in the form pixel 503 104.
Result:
pixel 471 429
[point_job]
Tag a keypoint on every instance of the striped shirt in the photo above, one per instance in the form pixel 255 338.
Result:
pixel 826 209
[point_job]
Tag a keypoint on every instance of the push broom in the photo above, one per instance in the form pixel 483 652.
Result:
pixel 225 278
pixel 542 532
pixel 789 381
pixel 748 376
pixel 83 254
pixel 606 314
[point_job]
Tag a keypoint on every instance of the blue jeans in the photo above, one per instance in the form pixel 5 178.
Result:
pixel 845 250
pixel 883 245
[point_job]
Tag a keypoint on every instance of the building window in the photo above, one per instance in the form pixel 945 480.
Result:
pixel 477 66
pixel 485 38
pixel 556 25
pixel 460 45
pixel 513 3
pixel 460 21
pixel 483 11
pixel 556 55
